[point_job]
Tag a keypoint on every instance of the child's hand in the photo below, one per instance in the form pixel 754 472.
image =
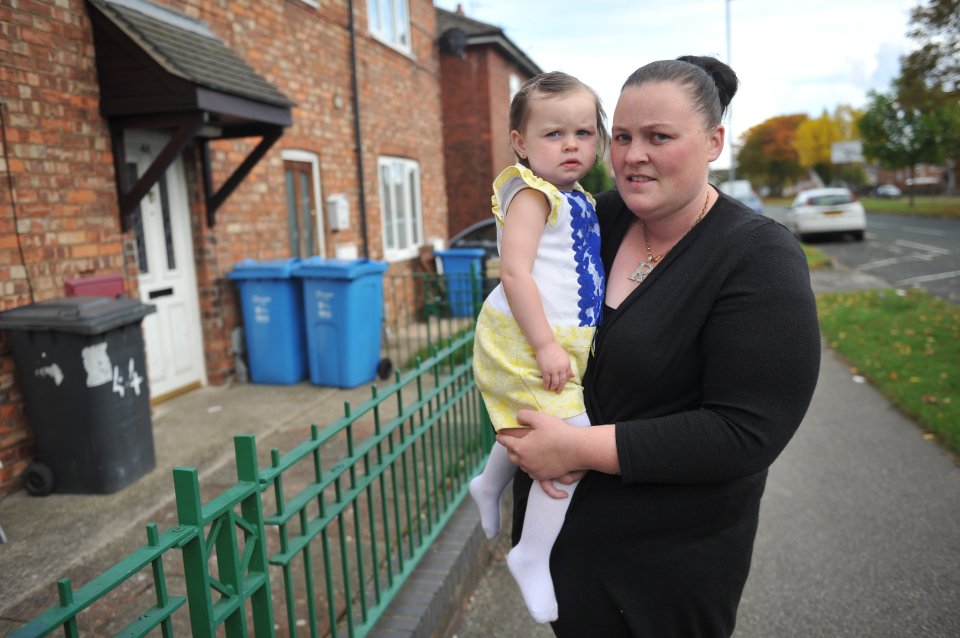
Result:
pixel 554 363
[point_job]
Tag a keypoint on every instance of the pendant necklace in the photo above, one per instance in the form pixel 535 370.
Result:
pixel 644 268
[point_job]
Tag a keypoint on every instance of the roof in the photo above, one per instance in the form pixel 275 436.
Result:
pixel 185 47
pixel 479 33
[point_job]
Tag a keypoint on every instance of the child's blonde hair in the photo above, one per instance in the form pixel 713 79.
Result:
pixel 549 85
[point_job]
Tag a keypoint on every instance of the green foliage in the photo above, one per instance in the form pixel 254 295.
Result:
pixel 901 133
pixel 597 179
pixel 936 28
pixel 907 344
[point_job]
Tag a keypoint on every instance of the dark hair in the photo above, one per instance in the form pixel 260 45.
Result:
pixel 711 82
pixel 548 85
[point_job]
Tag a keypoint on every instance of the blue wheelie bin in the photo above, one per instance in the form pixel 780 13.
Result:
pixel 343 316
pixel 463 276
pixel 272 320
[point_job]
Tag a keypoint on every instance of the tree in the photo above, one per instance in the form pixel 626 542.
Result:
pixel 815 140
pixel 936 28
pixel 768 154
pixel 900 133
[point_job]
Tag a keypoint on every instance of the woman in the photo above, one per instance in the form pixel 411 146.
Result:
pixel 703 368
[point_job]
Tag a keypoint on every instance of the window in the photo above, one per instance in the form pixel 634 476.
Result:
pixel 400 208
pixel 389 20
pixel 515 85
pixel 304 224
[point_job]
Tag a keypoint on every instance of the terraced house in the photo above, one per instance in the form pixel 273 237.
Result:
pixel 149 146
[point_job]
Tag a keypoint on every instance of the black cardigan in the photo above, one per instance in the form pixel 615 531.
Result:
pixel 707 369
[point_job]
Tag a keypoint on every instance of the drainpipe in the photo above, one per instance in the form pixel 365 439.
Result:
pixel 358 137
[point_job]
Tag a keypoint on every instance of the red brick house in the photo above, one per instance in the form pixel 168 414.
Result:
pixel 163 141
pixel 480 70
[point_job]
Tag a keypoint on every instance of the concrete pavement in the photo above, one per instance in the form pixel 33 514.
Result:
pixel 858 532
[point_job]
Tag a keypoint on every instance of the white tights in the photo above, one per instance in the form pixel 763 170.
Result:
pixel 529 561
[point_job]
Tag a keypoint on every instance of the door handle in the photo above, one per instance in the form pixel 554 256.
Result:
pixel 163 292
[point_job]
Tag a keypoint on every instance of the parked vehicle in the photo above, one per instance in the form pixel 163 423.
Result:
pixel 888 191
pixel 482 234
pixel 826 210
pixel 752 200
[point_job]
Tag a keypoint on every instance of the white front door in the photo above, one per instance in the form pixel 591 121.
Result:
pixel 164 251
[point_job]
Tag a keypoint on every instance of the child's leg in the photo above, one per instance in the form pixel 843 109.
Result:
pixel 487 487
pixel 529 561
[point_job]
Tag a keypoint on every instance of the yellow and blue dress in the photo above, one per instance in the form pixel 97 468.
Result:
pixel 570 277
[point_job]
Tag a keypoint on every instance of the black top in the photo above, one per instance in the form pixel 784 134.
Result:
pixel 707 369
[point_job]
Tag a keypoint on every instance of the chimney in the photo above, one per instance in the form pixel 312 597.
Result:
pixel 459 9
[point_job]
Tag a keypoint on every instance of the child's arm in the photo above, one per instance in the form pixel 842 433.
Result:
pixel 522 229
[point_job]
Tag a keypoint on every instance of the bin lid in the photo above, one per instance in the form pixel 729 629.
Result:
pixel 80 315
pixel 321 268
pixel 264 269
pixel 465 253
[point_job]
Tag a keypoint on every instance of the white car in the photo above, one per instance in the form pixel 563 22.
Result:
pixel 888 190
pixel 826 210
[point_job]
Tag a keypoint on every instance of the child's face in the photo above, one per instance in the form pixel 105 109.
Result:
pixel 560 139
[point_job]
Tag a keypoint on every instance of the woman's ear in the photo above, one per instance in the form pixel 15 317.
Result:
pixel 516 140
pixel 715 142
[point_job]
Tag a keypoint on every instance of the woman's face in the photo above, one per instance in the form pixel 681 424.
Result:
pixel 661 149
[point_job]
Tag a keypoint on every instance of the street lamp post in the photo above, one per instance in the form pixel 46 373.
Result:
pixel 733 157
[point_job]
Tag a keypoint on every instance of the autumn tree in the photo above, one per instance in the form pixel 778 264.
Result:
pixel 815 140
pixel 768 154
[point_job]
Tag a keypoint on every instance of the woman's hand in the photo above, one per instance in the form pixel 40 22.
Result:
pixel 548 451
pixel 554 364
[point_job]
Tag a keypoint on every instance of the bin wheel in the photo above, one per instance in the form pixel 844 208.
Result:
pixel 38 479
pixel 384 368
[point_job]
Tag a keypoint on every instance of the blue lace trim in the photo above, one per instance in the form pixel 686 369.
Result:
pixel 586 246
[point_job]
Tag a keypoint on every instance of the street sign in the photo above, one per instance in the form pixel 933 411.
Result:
pixel 849 152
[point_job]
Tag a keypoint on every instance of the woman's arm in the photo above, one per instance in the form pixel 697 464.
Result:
pixel 759 354
pixel 552 449
pixel 522 230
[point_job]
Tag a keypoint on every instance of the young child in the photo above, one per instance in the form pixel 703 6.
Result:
pixel 535 329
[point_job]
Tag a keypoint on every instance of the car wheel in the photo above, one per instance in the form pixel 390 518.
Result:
pixel 858 235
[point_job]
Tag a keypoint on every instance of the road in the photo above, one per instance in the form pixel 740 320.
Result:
pixel 902 250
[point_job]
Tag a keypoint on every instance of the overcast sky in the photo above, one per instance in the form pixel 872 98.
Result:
pixel 791 56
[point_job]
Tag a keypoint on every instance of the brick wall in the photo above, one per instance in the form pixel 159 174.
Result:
pixel 58 156
pixel 476 105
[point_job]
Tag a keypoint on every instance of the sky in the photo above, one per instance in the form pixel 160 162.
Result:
pixel 791 56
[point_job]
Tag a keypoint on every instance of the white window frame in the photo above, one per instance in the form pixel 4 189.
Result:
pixel 389 22
pixel 401 221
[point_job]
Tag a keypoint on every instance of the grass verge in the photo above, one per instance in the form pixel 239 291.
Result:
pixel 941 207
pixel 907 344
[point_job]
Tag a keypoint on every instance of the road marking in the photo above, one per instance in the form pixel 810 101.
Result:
pixel 924 231
pixel 925 278
pixel 880 263
pixel 926 247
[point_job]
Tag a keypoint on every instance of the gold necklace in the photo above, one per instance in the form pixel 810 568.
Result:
pixel 645 267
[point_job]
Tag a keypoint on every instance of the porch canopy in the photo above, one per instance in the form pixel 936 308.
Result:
pixel 161 69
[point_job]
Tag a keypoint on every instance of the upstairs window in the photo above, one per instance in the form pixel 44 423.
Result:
pixel 389 20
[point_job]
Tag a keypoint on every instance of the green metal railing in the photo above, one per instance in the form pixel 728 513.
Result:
pixel 319 541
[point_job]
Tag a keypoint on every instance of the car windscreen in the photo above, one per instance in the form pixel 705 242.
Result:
pixel 831 199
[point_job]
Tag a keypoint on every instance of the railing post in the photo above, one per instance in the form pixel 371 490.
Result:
pixel 186 485
pixel 248 471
